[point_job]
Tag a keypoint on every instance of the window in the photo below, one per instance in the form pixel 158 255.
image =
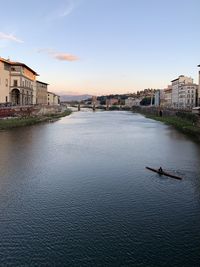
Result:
pixel 6 66
pixel 6 99
pixel 15 83
pixel 6 82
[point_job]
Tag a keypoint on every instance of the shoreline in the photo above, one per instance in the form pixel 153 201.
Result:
pixel 13 122
pixel 185 126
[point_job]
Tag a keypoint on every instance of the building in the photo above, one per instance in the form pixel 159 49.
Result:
pixel 56 99
pixel 22 83
pixel 18 83
pixel 159 97
pixel 176 85
pixel 41 93
pixel 187 96
pixel 18 86
pixel 112 101
pixel 52 99
pixel 132 101
pixel 168 97
pixel 4 81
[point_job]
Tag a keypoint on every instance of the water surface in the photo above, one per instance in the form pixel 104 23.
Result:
pixel 76 193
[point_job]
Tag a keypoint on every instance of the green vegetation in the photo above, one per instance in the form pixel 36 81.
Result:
pixel 182 124
pixel 27 121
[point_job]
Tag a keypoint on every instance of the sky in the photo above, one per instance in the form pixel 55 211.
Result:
pixel 103 46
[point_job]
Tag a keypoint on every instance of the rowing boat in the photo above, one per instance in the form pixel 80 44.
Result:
pixel 164 173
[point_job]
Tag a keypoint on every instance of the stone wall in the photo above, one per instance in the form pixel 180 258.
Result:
pixel 30 111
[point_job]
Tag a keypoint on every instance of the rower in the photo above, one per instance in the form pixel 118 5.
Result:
pixel 160 170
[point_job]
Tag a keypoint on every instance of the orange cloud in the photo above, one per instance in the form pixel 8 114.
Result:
pixel 58 55
pixel 65 57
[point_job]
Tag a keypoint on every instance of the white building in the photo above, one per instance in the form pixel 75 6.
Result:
pixel 187 96
pixel 131 102
pixel 176 85
pixel 159 97
pixel 52 99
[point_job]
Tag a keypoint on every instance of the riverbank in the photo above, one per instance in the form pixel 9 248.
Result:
pixel 9 123
pixel 183 125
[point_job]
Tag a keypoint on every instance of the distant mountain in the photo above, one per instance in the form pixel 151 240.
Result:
pixel 74 97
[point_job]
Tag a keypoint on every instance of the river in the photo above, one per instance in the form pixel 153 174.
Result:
pixel 76 193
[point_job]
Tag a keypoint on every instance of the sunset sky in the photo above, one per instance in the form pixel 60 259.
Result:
pixel 103 46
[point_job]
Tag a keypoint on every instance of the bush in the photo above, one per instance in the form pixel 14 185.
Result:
pixel 187 116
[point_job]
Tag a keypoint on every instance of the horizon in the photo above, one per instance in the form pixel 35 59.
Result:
pixel 103 47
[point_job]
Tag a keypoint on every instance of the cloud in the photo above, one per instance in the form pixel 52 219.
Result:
pixel 58 55
pixel 9 37
pixel 65 57
pixel 62 11
pixel 67 9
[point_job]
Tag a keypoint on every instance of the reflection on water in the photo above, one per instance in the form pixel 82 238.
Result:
pixel 76 193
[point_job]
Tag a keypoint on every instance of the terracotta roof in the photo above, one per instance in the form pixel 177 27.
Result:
pixel 12 63
pixel 5 60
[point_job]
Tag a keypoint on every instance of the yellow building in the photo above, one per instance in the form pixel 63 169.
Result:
pixel 17 83
pixel 4 80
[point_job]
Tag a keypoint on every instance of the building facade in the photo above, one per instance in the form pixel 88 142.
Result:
pixel 52 99
pixel 17 83
pixel 112 101
pixel 188 96
pixel 168 97
pixel 41 93
pixel 18 86
pixel 131 102
pixel 4 81
pixel 176 92
pixel 22 84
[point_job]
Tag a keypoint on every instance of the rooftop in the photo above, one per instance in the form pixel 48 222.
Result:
pixel 42 82
pixel 13 63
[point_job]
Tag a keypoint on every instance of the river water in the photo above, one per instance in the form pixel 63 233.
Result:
pixel 76 193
